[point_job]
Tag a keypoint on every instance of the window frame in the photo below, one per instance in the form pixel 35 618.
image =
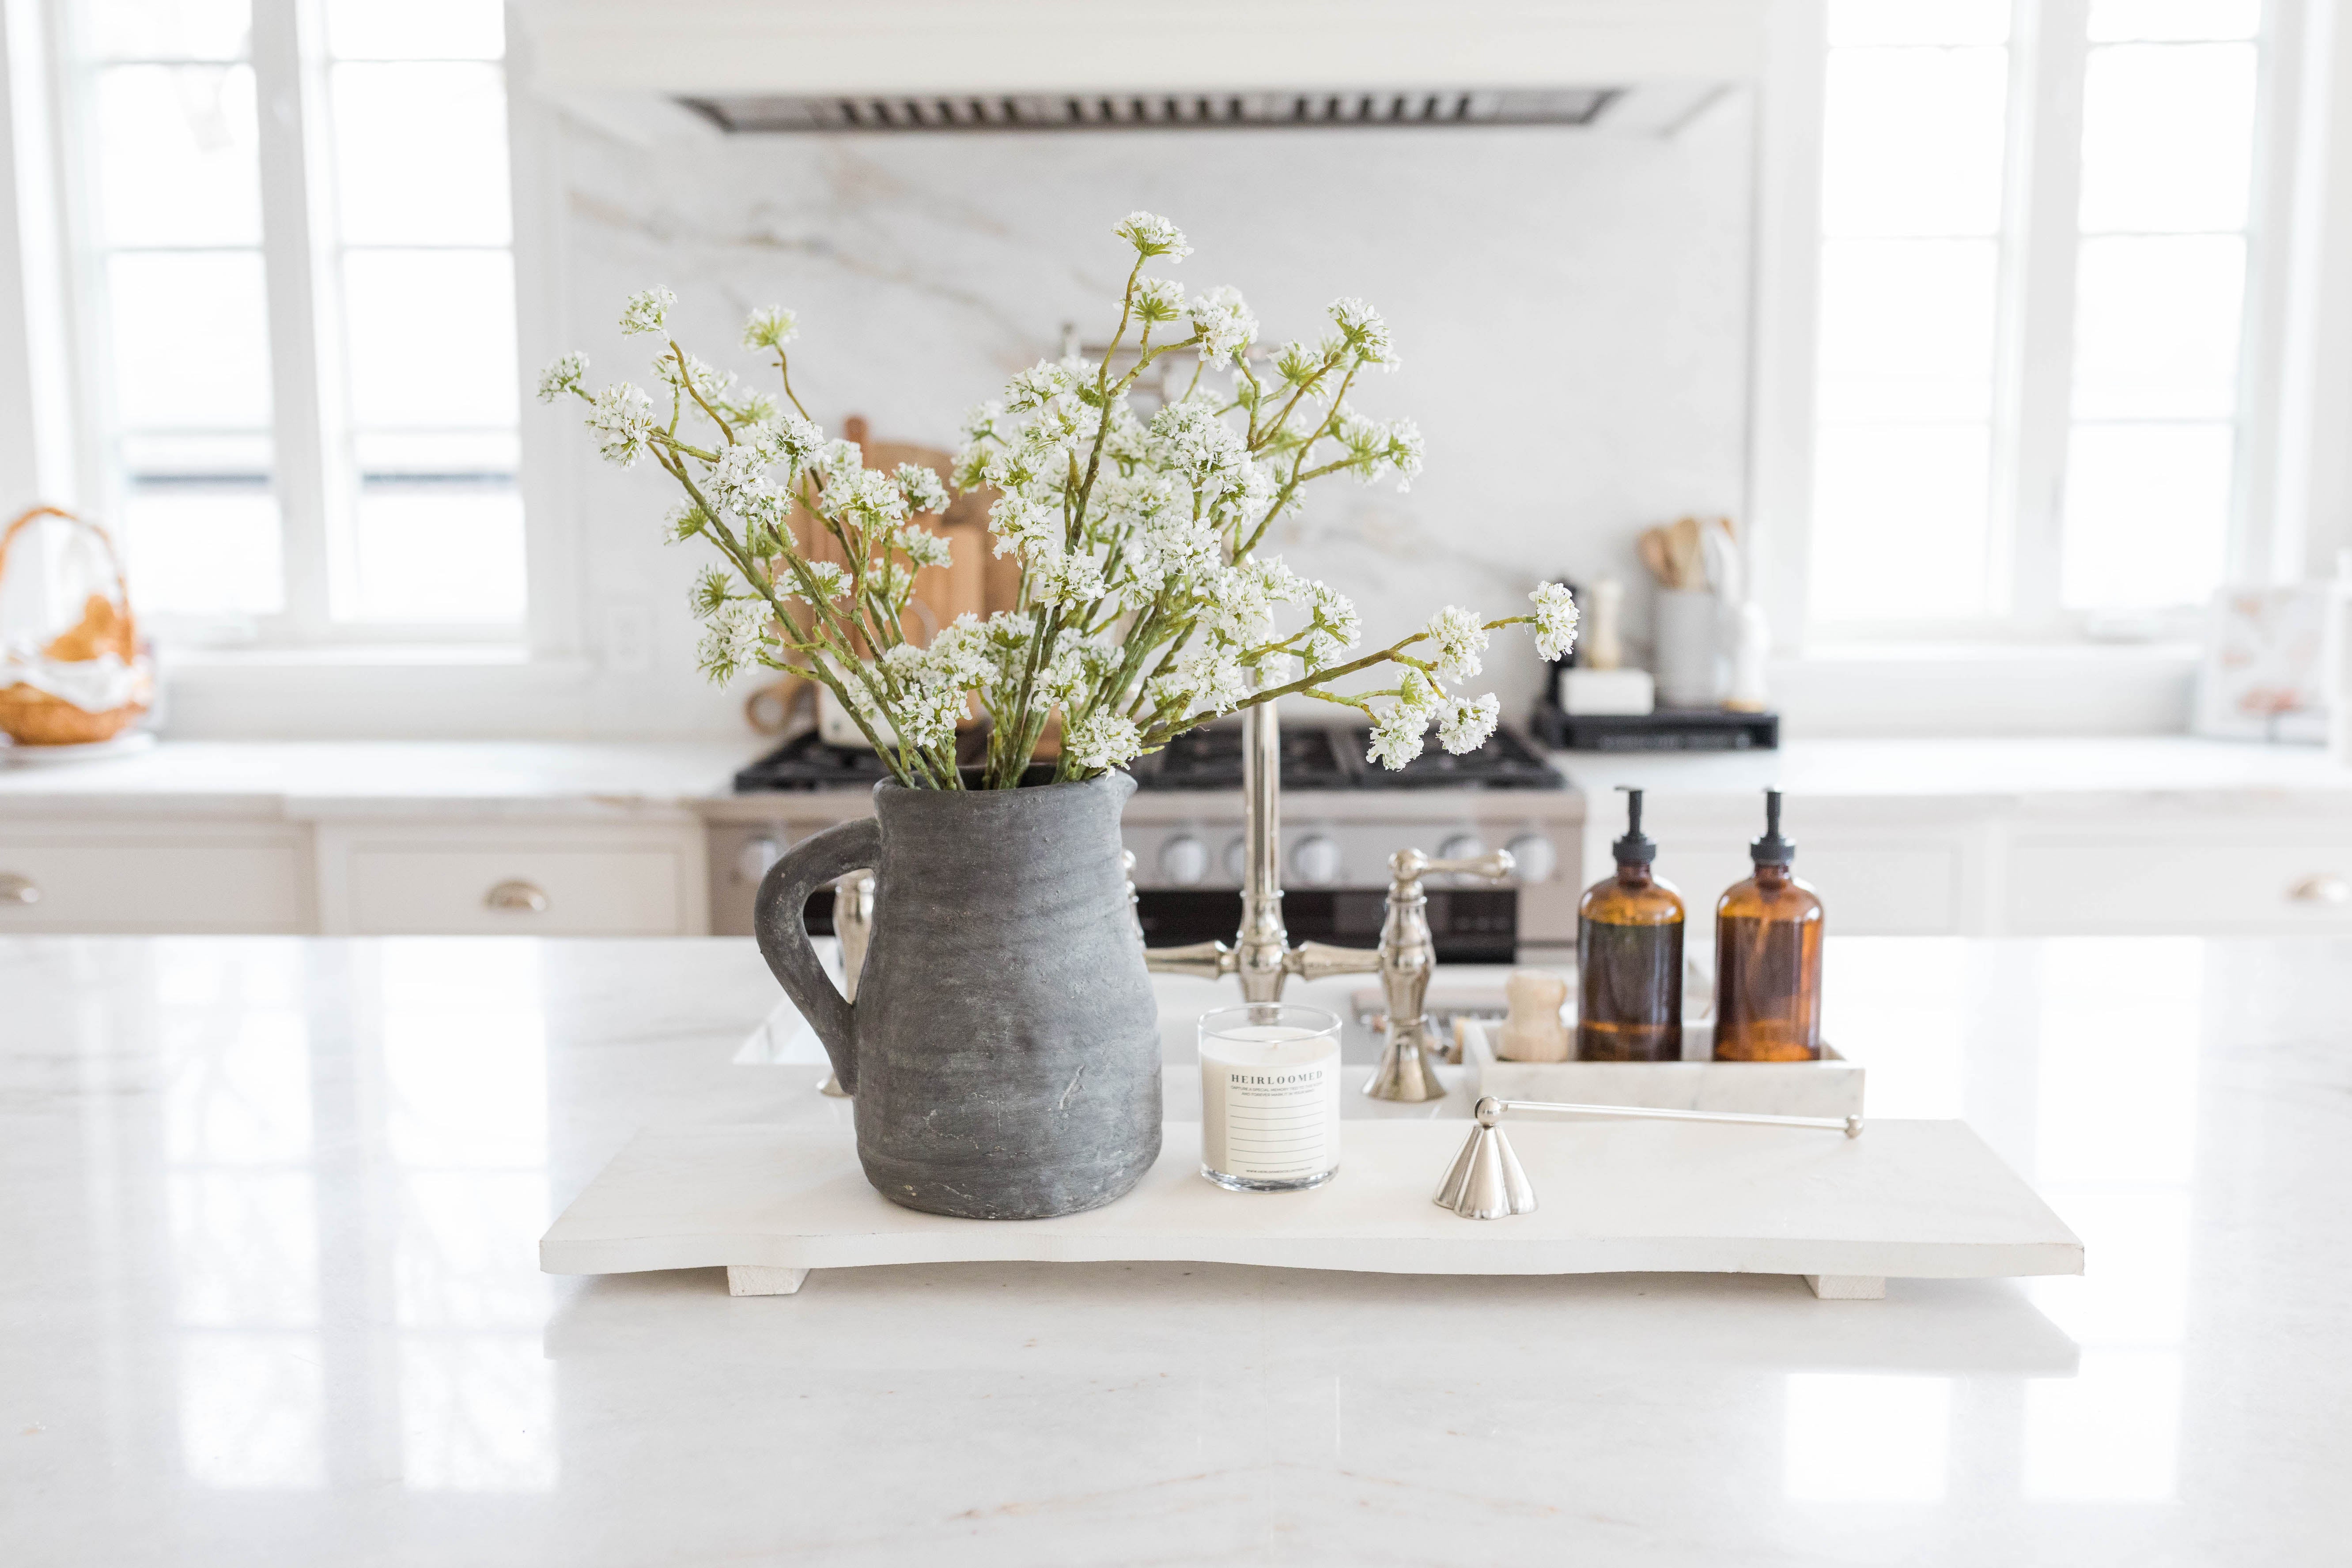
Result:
pixel 2032 373
pixel 311 476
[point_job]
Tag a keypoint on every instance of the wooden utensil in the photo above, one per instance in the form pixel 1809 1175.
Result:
pixel 1688 554
pixel 1652 548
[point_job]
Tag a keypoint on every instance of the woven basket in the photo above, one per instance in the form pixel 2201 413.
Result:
pixel 32 717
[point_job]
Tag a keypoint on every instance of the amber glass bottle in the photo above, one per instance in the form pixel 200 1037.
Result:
pixel 1768 958
pixel 1629 958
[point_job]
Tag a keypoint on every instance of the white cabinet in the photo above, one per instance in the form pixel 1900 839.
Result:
pixel 2188 876
pixel 153 875
pixel 543 878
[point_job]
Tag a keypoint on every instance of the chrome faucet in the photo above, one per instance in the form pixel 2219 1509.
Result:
pixel 1261 955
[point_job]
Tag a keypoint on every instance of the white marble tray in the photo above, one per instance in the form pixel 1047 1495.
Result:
pixel 1829 1087
pixel 1924 1199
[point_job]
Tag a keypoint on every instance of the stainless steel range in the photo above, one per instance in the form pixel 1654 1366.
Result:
pixel 1341 820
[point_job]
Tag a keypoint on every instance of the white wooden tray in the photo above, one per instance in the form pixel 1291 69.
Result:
pixel 1922 1199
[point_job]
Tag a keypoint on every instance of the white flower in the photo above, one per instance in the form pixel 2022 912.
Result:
pixel 961 656
pixel 832 582
pixel 1225 323
pixel 1022 523
pixel 733 639
pixel 1158 299
pixel 1056 577
pixel 1396 736
pixel 1105 740
pixel 563 376
pixel 751 406
pixel 738 483
pixel 1211 676
pixel 645 313
pixel 1191 439
pixel 1416 694
pixel 1463 725
pixel 872 497
pixel 624 416
pixel 1554 619
pixel 683 521
pixel 1335 626
pixel 1404 452
pixel 1456 640
pixel 921 546
pixel 1363 333
pixel 770 327
pixel 1152 235
pixel 929 715
pixel 1039 384
pixel 922 488
pixel 787 439
pixel 710 383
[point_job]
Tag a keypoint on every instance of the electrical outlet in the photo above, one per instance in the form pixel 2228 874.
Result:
pixel 628 639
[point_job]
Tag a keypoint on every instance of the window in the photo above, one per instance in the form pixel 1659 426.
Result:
pixel 2032 278
pixel 304 411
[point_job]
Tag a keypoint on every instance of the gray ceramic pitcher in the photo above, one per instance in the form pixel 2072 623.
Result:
pixel 1004 1047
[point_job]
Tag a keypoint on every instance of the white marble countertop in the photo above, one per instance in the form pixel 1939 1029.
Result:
pixel 313 780
pixel 270 1297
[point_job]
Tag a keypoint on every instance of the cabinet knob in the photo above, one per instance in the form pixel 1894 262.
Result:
pixel 517 895
pixel 2325 889
pixel 15 889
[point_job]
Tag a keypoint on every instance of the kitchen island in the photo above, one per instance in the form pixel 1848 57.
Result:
pixel 272 1208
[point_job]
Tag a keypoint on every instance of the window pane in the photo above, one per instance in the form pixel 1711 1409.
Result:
pixel 1906 329
pixel 420 153
pixel 2147 514
pixel 168 29
pixel 176 456
pixel 439 553
pixel 2168 137
pixel 440 453
pixel 176 159
pixel 1899 527
pixel 2113 19
pixel 204 549
pixel 431 337
pixel 1912 141
pixel 191 341
pixel 1917 22
pixel 2156 326
pixel 417 30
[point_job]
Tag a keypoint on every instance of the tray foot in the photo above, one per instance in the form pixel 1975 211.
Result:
pixel 1848 1286
pixel 750 1279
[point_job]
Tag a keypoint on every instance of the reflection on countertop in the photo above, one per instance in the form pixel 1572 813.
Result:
pixel 272 1297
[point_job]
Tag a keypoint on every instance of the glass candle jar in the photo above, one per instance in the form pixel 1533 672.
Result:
pixel 1269 1097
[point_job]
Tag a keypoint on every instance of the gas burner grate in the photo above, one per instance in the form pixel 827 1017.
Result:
pixel 1211 759
pixel 806 763
pixel 1505 762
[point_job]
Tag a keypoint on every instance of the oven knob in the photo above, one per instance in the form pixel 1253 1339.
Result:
pixel 1184 860
pixel 1533 859
pixel 1237 860
pixel 1315 861
pixel 752 860
pixel 1462 847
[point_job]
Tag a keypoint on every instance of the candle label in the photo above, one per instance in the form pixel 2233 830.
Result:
pixel 1270 1121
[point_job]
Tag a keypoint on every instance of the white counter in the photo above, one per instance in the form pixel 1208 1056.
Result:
pixel 312 780
pixel 270 1298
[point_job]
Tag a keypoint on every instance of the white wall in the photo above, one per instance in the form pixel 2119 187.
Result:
pixel 1571 310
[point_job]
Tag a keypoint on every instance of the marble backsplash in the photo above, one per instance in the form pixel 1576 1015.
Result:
pixel 1572 310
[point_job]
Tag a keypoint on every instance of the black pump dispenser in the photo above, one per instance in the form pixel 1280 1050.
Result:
pixel 1772 849
pixel 1636 848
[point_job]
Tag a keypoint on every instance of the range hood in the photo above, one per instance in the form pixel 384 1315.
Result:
pixel 914 66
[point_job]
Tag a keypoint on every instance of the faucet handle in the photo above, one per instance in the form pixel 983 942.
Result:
pixel 1408 866
pixel 1321 960
pixel 1204 960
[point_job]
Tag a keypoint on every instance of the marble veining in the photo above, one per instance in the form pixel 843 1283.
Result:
pixel 271 1296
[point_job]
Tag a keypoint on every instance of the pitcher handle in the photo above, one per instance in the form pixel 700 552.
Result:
pixel 779 922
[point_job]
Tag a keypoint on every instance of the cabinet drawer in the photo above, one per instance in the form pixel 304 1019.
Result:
pixel 428 890
pixel 68 882
pixel 2163 885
